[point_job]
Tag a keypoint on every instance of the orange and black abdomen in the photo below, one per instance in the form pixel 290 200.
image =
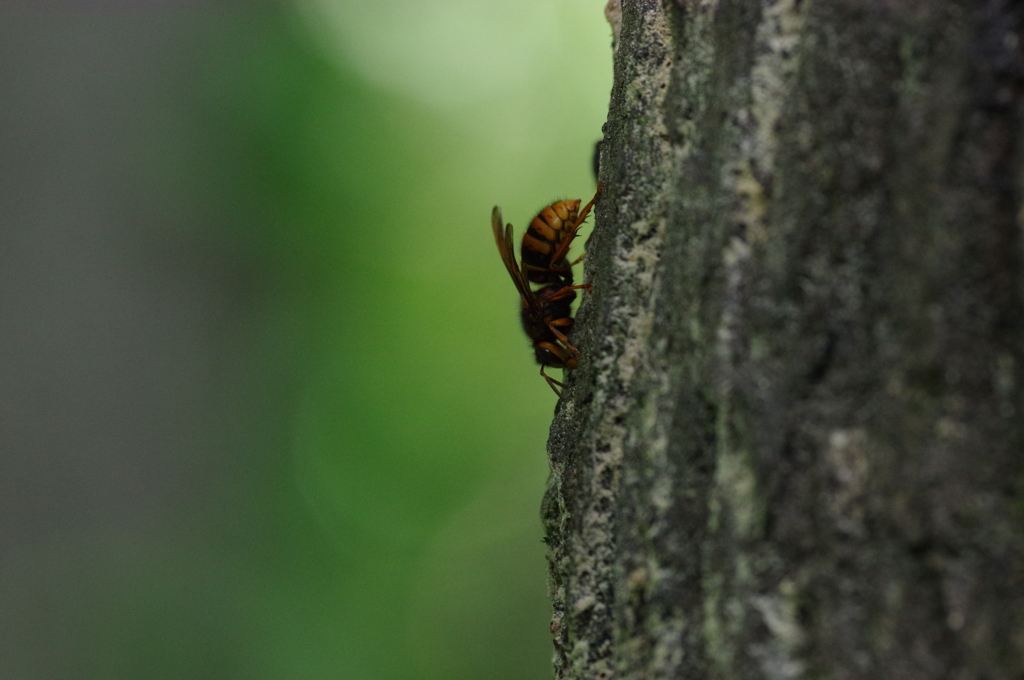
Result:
pixel 547 232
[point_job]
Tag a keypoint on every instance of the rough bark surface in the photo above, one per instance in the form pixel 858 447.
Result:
pixel 795 444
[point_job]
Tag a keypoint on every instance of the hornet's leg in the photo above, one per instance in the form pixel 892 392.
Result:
pixel 561 336
pixel 564 292
pixel 564 248
pixel 551 381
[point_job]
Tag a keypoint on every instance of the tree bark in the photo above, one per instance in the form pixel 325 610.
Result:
pixel 793 448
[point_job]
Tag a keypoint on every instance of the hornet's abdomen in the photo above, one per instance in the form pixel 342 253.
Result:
pixel 542 240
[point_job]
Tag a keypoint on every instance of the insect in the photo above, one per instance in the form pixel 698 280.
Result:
pixel 546 243
pixel 546 313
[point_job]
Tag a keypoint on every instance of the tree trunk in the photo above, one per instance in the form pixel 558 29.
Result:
pixel 793 448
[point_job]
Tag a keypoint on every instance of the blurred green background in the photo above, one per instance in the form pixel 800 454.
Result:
pixel 266 408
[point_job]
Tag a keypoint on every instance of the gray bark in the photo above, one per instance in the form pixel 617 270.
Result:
pixel 793 448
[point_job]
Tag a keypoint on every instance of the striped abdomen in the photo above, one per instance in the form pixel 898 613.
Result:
pixel 547 233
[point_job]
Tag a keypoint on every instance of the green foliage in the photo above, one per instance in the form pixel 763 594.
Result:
pixel 376 410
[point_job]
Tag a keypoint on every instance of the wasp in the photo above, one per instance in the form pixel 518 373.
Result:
pixel 546 313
